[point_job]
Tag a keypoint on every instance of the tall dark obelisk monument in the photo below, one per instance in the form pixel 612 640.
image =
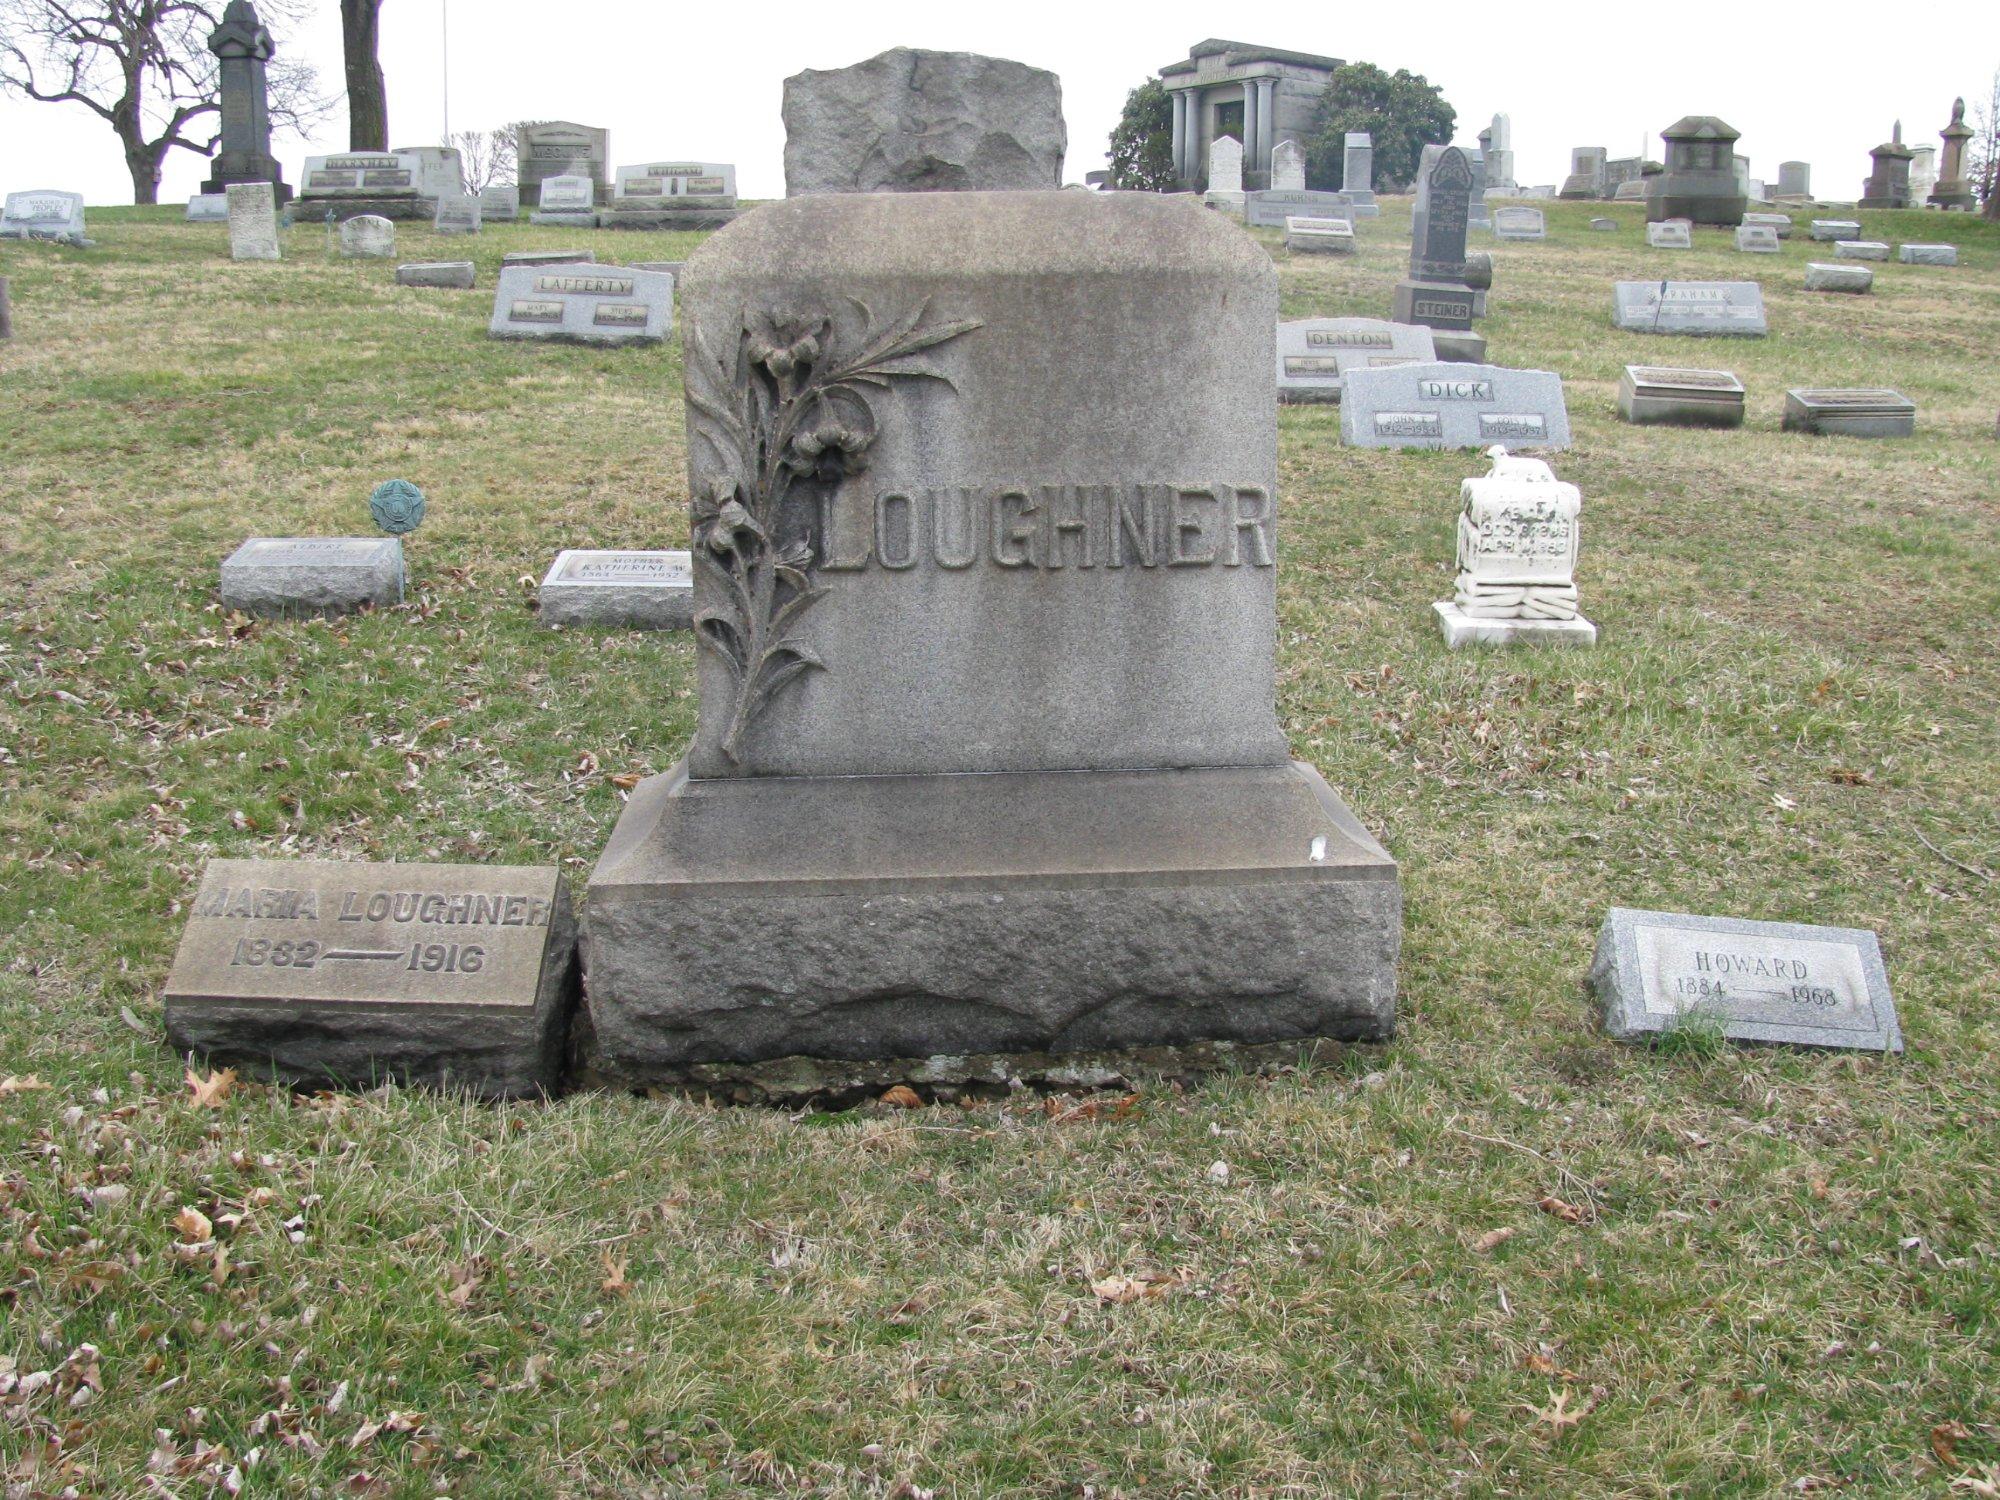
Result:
pixel 242 46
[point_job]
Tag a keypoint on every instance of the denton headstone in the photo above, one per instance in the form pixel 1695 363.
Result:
pixel 368 236
pixel 453 275
pixel 982 346
pixel 1690 307
pixel 1518 223
pixel 1288 167
pixel 313 575
pixel 1314 353
pixel 1517 544
pixel 458 214
pixel 579 305
pixel 1762 981
pixel 1757 239
pixel 634 590
pixel 1452 406
pixel 253 221
pixel 242 48
pixel 44 214
pixel 208 208
pixel 449 975
pixel 1685 398
pixel 1927 255
pixel 1850 413
pixel 1829 276
pixel 500 203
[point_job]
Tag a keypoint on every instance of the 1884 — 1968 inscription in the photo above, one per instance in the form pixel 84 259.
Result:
pixel 430 973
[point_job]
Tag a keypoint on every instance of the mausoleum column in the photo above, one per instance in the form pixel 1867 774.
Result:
pixel 1179 96
pixel 1250 131
pixel 1267 121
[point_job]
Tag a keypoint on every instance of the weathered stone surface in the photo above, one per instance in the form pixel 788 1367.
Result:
pixel 562 148
pixel 598 305
pixel 1927 255
pixel 456 275
pixel 1836 229
pixel 1828 276
pixel 628 589
pixel 363 174
pixel 701 183
pixel 1687 398
pixel 208 208
pixel 458 214
pixel 1225 175
pixel 1851 413
pixel 547 258
pixel 1757 239
pixel 1779 224
pixel 1452 405
pixel 1517 223
pixel 312 575
pixel 1288 167
pixel 500 202
pixel 1674 234
pixel 912 121
pixel 1762 981
pixel 1461 630
pixel 1517 543
pixel 1690 307
pixel 1319 236
pixel 253 221
pixel 368 236
pixel 1314 353
pixel 44 214
pixel 1860 250
pixel 458 976
pixel 440 170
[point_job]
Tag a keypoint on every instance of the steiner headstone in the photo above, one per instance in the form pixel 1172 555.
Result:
pixel 1681 398
pixel 1319 236
pixel 1314 353
pixel 1927 255
pixel 1674 234
pixel 1850 413
pixel 1835 230
pixel 454 275
pixel 917 121
pixel 1288 167
pixel 1832 276
pixel 632 590
pixel 1225 175
pixel 44 214
pixel 1517 223
pixel 1760 981
pixel 368 235
pixel 1517 543
pixel 253 221
pixel 500 203
pixel 562 148
pixel 313 575
pixel 1758 239
pixel 570 201
pixel 1701 182
pixel 324 971
pixel 819 882
pixel 1447 405
pixel 1860 250
pixel 1690 307
pixel 242 48
pixel 208 208
pixel 583 304
pixel 1435 293
pixel 458 214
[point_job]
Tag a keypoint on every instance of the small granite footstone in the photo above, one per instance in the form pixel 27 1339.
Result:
pixel 457 976
pixel 253 221
pixel 1671 234
pixel 313 575
pixel 1758 239
pixel 1860 250
pixel 1314 353
pixel 1928 255
pixel 593 305
pixel 1762 981
pixel 455 274
pixel 634 590
pixel 1826 276
pixel 547 258
pixel 1850 413
pixel 1779 224
pixel 208 208
pixel 1604 225
pixel 1685 398
pixel 368 235
pixel 1319 236
pixel 1452 405
pixel 1836 229
pixel 1690 307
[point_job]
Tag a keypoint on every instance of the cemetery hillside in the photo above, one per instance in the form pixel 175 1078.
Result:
pixel 1300 820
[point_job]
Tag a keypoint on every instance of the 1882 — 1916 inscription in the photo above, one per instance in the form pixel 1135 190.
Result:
pixel 430 973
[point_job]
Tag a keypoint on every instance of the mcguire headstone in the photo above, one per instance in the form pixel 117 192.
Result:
pixel 583 304
pixel 1517 544
pixel 253 221
pixel 1760 981
pixel 323 971
pixel 1015 518
pixel 242 48
pixel 1452 406
pixel 313 575
pixel 1314 353
pixel 629 589
pixel 562 148
pixel 1690 307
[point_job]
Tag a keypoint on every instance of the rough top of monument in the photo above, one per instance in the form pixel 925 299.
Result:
pixel 911 121
pixel 1701 128
pixel 986 557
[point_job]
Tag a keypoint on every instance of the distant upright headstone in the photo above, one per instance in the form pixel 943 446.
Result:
pixel 916 121
pixel 500 202
pixel 44 214
pixel 582 304
pixel 440 170
pixel 562 148
pixel 1778 224
pixel 208 208
pixel 1452 406
pixel 1517 544
pixel 1497 141
pixel 1288 167
pixel 1519 223
pixel 1690 307
pixel 1357 166
pixel 368 235
pixel 672 195
pixel 1953 190
pixel 458 214
pixel 242 47
pixel 1314 353
pixel 1888 184
pixel 1225 174
pixel 1794 179
pixel 1586 173
pixel 1760 981
pixel 1701 182
pixel 253 221
pixel 1435 293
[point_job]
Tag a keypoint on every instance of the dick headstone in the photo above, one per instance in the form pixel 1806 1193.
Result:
pixel 458 976
pixel 313 575
pixel 1759 981
pixel 242 47
pixel 253 221
pixel 632 590
pixel 1015 482
pixel 1690 307
pixel 1452 406
pixel 583 304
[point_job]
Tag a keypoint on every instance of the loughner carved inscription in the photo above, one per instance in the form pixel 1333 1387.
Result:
pixel 783 404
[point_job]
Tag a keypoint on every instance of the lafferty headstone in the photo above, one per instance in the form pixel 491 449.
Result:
pixel 368 235
pixel 944 456
pixel 1517 543
pixel 1690 307
pixel 44 214
pixel 583 304
pixel 1452 406
pixel 1314 353
pixel 253 221
pixel 1760 981
pixel 633 590
pixel 452 975
pixel 1850 413
pixel 313 575
pixel 1687 398
pixel 242 47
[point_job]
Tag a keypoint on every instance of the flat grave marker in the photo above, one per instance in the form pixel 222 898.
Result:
pixel 1859 412
pixel 1269 210
pixel 452 275
pixel 208 208
pixel 1836 229
pixel 1830 276
pixel 1757 239
pixel 1670 234
pixel 1860 250
pixel 1680 397
pixel 1319 236
pixel 458 213
pixel 1698 308
pixel 1927 255
pixel 635 589
pixel 316 575
pixel 368 236
pixel 1517 223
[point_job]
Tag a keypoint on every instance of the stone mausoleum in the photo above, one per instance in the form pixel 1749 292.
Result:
pixel 1256 95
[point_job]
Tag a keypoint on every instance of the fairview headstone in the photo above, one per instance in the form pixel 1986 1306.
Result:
pixel 1452 406
pixel 635 590
pixel 1690 307
pixel 1850 413
pixel 583 304
pixel 1314 353
pixel 1682 398
pixel 368 235
pixel 1761 981
pixel 312 575
pixel 451 975
pixel 44 214
pixel 1517 544
pixel 458 214
pixel 1515 223
pixel 253 221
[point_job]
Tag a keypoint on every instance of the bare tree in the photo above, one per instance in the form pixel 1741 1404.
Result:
pixel 1982 152
pixel 144 68
pixel 487 155
pixel 367 92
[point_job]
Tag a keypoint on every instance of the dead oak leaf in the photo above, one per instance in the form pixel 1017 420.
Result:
pixel 1121 1288
pixel 27 1083
pixel 1945 1438
pixel 396 1421
pixel 1493 1239
pixel 193 1226
pixel 614 1283
pixel 1569 1213
pixel 464 1281
pixel 209 1092
pixel 1556 1415
pixel 1986 1486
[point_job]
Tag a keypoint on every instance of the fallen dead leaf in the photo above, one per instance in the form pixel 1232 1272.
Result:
pixel 1134 1288
pixel 396 1421
pixel 614 1283
pixel 1569 1213
pixel 27 1083
pixel 1986 1486
pixel 902 1096
pixel 209 1092
pixel 464 1280
pixel 193 1226
pixel 1945 1438
pixel 1492 1239
pixel 1557 1415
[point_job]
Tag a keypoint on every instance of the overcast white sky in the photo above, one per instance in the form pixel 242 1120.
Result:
pixel 1819 82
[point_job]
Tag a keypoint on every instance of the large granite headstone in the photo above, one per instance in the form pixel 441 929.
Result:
pixel 1888 184
pixel 562 148
pixel 1435 293
pixel 1586 173
pixel 581 304
pixel 1357 166
pixel 1314 353
pixel 313 575
pixel 1445 405
pixel 958 507
pixel 1517 544
pixel 914 121
pixel 1953 190
pixel 1701 183
pixel 242 48
pixel 253 221
pixel 1794 179
pixel 1760 981
pixel 459 976
pixel 44 214
pixel 1690 307
pixel 630 589
pixel 672 195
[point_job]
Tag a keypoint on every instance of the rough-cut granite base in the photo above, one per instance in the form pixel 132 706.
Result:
pixel 1461 629
pixel 667 218
pixel 1458 346
pixel 736 924
pixel 313 575
pixel 340 210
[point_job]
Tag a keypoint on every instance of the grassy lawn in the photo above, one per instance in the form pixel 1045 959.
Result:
pixel 1502 1255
